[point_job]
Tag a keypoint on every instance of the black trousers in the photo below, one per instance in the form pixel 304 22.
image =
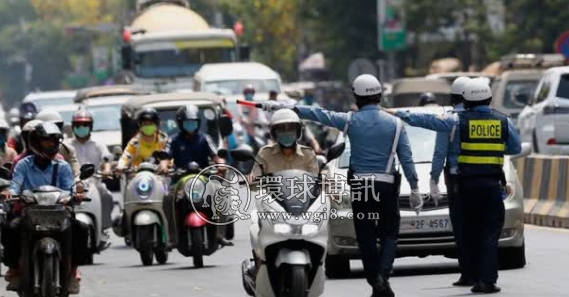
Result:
pixel 373 220
pixel 484 212
pixel 457 219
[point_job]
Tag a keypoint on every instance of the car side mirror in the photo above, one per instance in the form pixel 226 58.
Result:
pixel 222 153
pixel 244 52
pixel 86 171
pixel 526 151
pixel 225 126
pixel 126 55
pixel 160 155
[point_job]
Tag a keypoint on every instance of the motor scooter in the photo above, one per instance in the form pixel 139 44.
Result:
pixel 143 221
pixel 5 176
pixel 47 238
pixel 288 250
pixel 91 215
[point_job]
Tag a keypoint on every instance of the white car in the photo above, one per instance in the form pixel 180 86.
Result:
pixel 43 100
pixel 545 120
pixel 430 231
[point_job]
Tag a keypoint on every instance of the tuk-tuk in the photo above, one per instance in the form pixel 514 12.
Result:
pixel 406 92
pixel 107 91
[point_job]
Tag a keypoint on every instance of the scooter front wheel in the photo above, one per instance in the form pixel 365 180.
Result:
pixel 48 277
pixel 294 282
pixel 146 256
pixel 161 256
pixel 197 246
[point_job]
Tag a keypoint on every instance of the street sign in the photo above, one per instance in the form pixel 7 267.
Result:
pixel 391 29
pixel 359 67
pixel 562 44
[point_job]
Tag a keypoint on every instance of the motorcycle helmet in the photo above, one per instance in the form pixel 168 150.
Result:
pixel 26 117
pixel 82 123
pixel 187 118
pixel 51 117
pixel 148 114
pixel 367 90
pixel 29 127
pixel 45 140
pixel 427 98
pixel 285 127
pixel 249 92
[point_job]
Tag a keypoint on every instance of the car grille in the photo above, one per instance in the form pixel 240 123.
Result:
pixel 429 204
pixel 426 238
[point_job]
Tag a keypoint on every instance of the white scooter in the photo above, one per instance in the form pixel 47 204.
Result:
pixel 289 252
pixel 91 215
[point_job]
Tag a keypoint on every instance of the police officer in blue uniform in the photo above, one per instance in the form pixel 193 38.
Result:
pixel 444 150
pixel 372 133
pixel 484 137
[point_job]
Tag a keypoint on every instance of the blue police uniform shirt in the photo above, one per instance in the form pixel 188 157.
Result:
pixel 28 176
pixel 443 150
pixel 371 135
pixel 436 123
pixel 197 149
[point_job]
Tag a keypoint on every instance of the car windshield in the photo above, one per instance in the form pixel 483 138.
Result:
pixel 106 117
pixel 173 63
pixel 235 87
pixel 422 142
pixel 169 126
pixel 413 99
pixel 52 102
pixel 563 90
pixel 519 87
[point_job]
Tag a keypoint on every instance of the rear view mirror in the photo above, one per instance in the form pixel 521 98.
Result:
pixel 225 126
pixel 321 161
pixel 126 55
pixel 87 170
pixel 335 151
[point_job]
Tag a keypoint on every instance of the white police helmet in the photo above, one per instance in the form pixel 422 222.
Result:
pixel 284 116
pixel 476 90
pixel 366 85
pixel 458 85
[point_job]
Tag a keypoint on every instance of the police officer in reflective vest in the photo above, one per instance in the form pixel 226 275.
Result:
pixel 445 150
pixel 484 137
pixel 375 138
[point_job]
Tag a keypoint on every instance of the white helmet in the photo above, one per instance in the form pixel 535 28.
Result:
pixel 284 116
pixel 4 125
pixel 458 85
pixel 49 116
pixel 476 90
pixel 31 125
pixel 366 85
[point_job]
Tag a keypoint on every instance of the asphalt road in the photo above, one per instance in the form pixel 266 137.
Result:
pixel 118 272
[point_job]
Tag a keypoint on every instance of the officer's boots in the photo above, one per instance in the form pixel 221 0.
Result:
pixel 382 288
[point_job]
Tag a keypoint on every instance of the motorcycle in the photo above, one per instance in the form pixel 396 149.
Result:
pixel 143 221
pixel 5 176
pixel 91 215
pixel 47 242
pixel 289 251
pixel 193 214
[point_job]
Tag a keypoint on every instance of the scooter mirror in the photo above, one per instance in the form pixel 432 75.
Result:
pixel 243 153
pixel 87 170
pixel 321 161
pixel 222 153
pixel 335 151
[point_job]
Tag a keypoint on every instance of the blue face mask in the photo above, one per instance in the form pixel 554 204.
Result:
pixel 190 126
pixel 249 97
pixel 81 131
pixel 287 139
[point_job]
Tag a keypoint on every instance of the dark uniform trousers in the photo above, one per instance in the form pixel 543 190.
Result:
pixel 376 262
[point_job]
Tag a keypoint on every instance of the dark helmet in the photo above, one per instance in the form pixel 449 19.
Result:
pixel 82 117
pixel 187 113
pixel 26 117
pixel 427 98
pixel 42 132
pixel 148 114
pixel 249 89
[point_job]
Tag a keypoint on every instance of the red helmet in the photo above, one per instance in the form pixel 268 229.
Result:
pixel 249 89
pixel 82 116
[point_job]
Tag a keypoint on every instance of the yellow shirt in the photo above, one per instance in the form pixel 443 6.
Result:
pixel 137 150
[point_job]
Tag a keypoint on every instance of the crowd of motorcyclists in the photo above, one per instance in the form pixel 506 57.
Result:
pixel 280 141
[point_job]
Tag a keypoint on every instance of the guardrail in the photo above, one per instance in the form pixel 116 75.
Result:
pixel 545 181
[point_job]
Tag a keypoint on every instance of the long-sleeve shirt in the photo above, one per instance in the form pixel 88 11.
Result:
pixel 371 134
pixel 137 150
pixel 28 176
pixel 445 124
pixel 443 151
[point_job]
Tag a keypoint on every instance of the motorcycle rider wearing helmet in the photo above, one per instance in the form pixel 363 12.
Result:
pixel 427 99
pixel 67 151
pixel 91 152
pixel 148 140
pixel 43 168
pixel 283 154
pixel 375 138
pixel 16 141
pixel 251 118
pixel 481 180
pixel 7 154
pixel 191 145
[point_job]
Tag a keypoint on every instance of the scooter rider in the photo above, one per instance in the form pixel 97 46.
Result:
pixel 148 140
pixel 481 180
pixel 39 169
pixel 7 154
pixel 445 150
pixel 191 145
pixel 427 99
pixel 373 135
pixel 283 154
pixel 251 118
pixel 90 152
pixel 16 141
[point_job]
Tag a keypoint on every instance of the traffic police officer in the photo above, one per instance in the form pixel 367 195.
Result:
pixel 484 137
pixel 444 150
pixel 372 133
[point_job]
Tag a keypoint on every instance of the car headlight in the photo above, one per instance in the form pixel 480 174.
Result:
pixel 144 187
pixel 196 192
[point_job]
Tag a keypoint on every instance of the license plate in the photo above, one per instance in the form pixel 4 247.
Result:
pixel 425 225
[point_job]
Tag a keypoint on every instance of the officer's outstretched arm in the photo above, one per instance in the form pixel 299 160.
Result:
pixel 439 155
pixel 329 118
pixel 426 120
pixel 405 156
pixel 514 144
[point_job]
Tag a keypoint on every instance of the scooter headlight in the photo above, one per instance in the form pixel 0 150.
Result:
pixel 144 187
pixel 196 192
